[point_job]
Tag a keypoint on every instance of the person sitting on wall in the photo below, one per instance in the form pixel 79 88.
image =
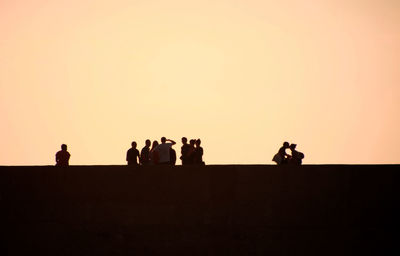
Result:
pixel 282 157
pixel 62 156
pixel 296 157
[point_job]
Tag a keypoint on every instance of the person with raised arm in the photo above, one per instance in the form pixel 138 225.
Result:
pixel 164 151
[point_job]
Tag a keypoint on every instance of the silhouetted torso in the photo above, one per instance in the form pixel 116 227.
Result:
pixel 282 153
pixel 296 157
pixel 191 156
pixel 145 155
pixel 132 156
pixel 198 156
pixel 185 149
pixel 164 150
pixel 172 156
pixel 62 158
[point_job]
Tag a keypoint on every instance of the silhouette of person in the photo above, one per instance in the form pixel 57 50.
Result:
pixel 164 151
pixel 190 157
pixel 153 153
pixel 145 153
pixel 172 156
pixel 296 157
pixel 62 156
pixel 281 156
pixel 132 155
pixel 198 153
pixel 185 151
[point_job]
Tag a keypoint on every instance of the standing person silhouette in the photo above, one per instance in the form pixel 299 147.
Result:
pixel 132 155
pixel 185 151
pixel 145 153
pixel 62 156
pixel 172 156
pixel 153 153
pixel 190 156
pixel 198 153
pixel 164 151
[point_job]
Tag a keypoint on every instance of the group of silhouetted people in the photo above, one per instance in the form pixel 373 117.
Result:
pixel 191 154
pixel 164 154
pixel 282 157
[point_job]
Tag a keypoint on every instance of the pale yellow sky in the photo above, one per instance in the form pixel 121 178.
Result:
pixel 243 76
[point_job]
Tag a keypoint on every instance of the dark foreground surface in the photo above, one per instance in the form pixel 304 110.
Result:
pixel 212 210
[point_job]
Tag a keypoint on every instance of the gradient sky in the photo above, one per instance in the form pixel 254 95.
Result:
pixel 242 75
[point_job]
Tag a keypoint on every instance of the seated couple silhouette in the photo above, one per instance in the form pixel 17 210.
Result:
pixel 284 158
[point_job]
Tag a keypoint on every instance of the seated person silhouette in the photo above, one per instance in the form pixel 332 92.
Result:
pixel 145 153
pixel 296 157
pixel 62 156
pixel 132 155
pixel 164 151
pixel 282 157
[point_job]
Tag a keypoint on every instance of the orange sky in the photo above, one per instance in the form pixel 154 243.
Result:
pixel 241 75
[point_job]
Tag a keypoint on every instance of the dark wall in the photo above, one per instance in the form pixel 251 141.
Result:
pixel 212 210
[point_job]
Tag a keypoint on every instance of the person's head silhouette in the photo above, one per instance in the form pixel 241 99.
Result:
pixel 148 143
pixel 163 140
pixel 293 146
pixel 134 144
pixel 155 144
pixel 192 142
pixel 184 140
pixel 64 147
pixel 198 142
pixel 286 144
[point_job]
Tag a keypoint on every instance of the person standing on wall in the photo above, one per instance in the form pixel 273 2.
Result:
pixel 132 155
pixel 164 151
pixel 145 153
pixel 185 151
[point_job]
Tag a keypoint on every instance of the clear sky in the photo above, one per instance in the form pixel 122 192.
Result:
pixel 242 75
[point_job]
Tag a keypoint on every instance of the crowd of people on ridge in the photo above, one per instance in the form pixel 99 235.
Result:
pixel 191 154
pixel 284 158
pixel 164 154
